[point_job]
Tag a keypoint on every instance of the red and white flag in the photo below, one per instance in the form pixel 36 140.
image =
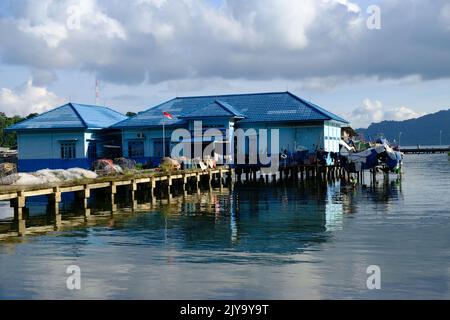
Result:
pixel 167 115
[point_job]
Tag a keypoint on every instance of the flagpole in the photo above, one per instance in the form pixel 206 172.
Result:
pixel 164 139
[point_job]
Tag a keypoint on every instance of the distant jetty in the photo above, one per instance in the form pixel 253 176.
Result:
pixel 427 150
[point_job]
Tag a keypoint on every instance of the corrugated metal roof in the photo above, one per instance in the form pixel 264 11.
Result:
pixel 72 116
pixel 256 107
pixel 215 109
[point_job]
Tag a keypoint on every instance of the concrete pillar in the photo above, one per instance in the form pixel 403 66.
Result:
pixel 19 219
pixel 152 187
pixel 197 182
pixel 185 182
pixel 221 177
pixel 133 195
pixel 83 196
pixel 230 176
pixel 113 190
pixel 210 179
pixel 54 201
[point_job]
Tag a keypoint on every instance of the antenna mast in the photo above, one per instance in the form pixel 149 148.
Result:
pixel 97 92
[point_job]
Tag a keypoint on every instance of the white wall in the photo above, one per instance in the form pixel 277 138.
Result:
pixel 332 134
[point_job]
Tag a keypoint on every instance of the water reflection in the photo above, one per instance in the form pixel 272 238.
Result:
pixel 253 217
pixel 251 225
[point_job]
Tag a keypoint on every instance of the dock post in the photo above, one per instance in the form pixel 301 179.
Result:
pixel 84 196
pixel 133 195
pixel 19 220
pixel 152 186
pixel 169 187
pixel 210 179
pixel 54 199
pixel 197 182
pixel 113 189
pixel 185 182
pixel 152 189
pixel 220 178
pixel 230 176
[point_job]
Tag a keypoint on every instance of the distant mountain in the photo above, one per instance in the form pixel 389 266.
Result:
pixel 423 131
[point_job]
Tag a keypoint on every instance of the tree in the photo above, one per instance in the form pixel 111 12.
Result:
pixel 8 139
pixel 130 114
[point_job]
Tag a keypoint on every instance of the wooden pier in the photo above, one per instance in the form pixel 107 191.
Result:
pixel 17 195
pixel 165 182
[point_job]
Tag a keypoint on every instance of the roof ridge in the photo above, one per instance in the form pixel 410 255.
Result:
pixel 226 106
pixel 141 112
pixel 157 106
pixel 317 108
pixel 97 106
pixel 78 114
pixel 233 95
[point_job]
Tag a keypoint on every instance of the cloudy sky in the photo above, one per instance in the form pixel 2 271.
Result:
pixel 144 52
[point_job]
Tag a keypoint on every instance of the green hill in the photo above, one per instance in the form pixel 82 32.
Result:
pixel 423 131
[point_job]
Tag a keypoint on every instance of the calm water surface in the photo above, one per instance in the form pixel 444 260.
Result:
pixel 285 242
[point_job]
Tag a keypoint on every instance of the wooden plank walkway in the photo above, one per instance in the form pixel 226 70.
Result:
pixel 13 192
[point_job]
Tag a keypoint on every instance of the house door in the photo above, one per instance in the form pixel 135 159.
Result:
pixel 158 148
pixel 92 151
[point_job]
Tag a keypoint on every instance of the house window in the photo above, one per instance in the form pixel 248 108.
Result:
pixel 135 149
pixel 68 150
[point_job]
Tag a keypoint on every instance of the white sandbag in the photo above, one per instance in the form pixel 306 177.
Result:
pixel 46 176
pixel 26 179
pixel 9 179
pixel 85 174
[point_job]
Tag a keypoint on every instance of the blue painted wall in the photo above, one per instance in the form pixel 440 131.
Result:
pixel 42 150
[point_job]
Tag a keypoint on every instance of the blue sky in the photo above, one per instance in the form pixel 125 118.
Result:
pixel 147 51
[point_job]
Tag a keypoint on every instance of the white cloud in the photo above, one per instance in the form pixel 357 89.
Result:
pixel 134 41
pixel 445 15
pixel 373 112
pixel 27 99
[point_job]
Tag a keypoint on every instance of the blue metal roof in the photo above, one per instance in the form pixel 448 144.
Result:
pixel 256 107
pixel 72 116
pixel 214 109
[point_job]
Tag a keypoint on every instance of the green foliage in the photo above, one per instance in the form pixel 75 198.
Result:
pixel 8 139
pixel 139 166
pixel 130 114
pixel 166 167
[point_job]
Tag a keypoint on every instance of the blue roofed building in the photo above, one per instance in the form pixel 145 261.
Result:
pixel 73 135
pixel 302 125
